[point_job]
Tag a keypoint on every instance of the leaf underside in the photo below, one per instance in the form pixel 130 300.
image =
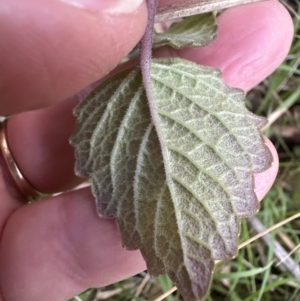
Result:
pixel 177 188
pixel 194 31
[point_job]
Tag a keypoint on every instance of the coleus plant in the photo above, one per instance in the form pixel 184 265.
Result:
pixel 171 151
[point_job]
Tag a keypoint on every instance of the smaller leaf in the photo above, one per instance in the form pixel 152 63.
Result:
pixel 195 31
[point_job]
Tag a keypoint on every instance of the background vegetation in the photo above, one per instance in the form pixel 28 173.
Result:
pixel 269 268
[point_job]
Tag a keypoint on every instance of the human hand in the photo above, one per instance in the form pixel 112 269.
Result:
pixel 54 249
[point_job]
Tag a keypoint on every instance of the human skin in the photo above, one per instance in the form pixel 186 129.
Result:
pixel 50 51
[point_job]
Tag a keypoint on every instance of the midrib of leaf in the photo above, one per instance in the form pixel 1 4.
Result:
pixel 146 56
pixel 156 121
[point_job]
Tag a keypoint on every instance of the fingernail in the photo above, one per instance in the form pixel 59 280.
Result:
pixel 108 6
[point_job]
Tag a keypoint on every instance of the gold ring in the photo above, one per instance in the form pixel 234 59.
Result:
pixel 24 186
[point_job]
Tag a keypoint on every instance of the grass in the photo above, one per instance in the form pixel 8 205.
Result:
pixel 255 273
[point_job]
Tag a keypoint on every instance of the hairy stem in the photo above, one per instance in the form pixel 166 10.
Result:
pixel 146 42
pixel 145 63
pixel 194 7
pixel 146 49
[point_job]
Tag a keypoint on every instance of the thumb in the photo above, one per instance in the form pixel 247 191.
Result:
pixel 52 49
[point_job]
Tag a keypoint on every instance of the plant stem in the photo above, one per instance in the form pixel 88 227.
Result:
pixel 194 7
pixel 146 48
pixel 145 63
pixel 146 45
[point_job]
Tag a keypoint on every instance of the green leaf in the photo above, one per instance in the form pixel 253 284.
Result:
pixel 177 179
pixel 244 274
pixel 194 31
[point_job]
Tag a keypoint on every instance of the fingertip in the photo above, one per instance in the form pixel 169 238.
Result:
pixel 51 50
pixel 264 181
pixel 252 41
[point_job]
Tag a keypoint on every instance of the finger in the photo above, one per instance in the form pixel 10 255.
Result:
pixel 254 43
pixel 52 49
pixel 47 160
pixel 51 166
pixel 264 181
pixel 57 248
pixel 8 203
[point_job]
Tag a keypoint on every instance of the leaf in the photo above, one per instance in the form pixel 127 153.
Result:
pixel 99 119
pixel 194 31
pixel 177 179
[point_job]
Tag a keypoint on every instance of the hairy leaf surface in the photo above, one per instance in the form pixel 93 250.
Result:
pixel 177 180
pixel 194 31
